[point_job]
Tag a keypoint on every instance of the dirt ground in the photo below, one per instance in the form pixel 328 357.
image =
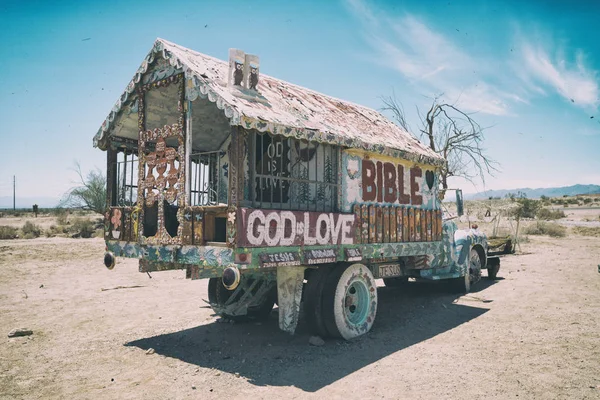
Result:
pixel 535 333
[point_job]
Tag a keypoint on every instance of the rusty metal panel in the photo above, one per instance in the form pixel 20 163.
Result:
pixel 364 229
pixel 417 225
pixel 386 224
pixel 393 225
pixel 270 228
pixel 379 224
pixel 358 224
pixel 411 224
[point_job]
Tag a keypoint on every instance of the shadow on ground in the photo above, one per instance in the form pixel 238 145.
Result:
pixel 266 356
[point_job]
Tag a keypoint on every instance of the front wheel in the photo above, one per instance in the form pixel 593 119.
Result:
pixel 463 284
pixel 349 301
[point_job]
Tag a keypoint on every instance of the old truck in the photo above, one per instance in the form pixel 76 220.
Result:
pixel 275 193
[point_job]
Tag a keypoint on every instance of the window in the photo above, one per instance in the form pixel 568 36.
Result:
pixel 292 174
pixel 126 187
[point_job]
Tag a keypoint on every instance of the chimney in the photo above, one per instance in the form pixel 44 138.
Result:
pixel 243 70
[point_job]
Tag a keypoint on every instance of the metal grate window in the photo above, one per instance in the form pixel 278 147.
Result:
pixel 208 180
pixel 127 178
pixel 290 174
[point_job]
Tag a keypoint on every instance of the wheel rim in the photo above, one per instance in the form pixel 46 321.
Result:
pixel 356 303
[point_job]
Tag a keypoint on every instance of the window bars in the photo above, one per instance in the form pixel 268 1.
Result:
pixel 127 178
pixel 208 180
pixel 290 174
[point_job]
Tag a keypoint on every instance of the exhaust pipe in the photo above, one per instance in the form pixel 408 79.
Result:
pixel 231 278
pixel 109 260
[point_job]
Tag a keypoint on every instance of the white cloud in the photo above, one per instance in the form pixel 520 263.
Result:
pixel 575 83
pixel 431 61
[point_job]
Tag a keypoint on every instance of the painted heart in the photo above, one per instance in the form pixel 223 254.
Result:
pixel 429 179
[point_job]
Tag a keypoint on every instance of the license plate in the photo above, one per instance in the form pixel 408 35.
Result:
pixel 388 271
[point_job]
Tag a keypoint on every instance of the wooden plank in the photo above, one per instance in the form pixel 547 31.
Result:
pixel 393 225
pixel 198 227
pixel 379 211
pixel 357 224
pixel 127 236
pixel 187 229
pixel 423 225
pixel 399 224
pixel 364 228
pixel 438 223
pixel 417 225
pixel 372 224
pixel 386 224
pixel 428 222
pixel 411 224
pixel 405 225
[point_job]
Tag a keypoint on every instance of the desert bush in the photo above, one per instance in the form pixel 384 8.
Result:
pixel 8 232
pixel 587 200
pixel 526 208
pixel 82 227
pixel 546 228
pixel 31 230
pixel 587 231
pixel 548 214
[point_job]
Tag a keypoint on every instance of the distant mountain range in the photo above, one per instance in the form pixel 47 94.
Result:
pixel 27 202
pixel 537 193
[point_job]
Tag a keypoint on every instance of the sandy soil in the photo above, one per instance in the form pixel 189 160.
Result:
pixel 535 333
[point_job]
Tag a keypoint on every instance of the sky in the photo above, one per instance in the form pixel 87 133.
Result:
pixel 527 71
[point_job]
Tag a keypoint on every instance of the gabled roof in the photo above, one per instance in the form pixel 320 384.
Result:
pixel 281 108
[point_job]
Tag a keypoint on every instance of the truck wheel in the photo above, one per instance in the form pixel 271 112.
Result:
pixel 493 272
pixel 396 282
pixel 313 304
pixel 463 284
pixel 349 301
pixel 218 294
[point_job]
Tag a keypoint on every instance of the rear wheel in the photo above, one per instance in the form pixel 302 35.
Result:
pixel 349 301
pixel 313 300
pixel 258 307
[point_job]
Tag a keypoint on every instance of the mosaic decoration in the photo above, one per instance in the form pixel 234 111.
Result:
pixel 160 179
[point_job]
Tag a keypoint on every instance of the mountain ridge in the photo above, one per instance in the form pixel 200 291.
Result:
pixel 536 193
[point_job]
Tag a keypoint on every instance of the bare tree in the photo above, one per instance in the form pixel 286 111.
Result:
pixel 90 192
pixel 454 135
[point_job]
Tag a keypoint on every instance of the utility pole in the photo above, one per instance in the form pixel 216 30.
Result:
pixel 14 192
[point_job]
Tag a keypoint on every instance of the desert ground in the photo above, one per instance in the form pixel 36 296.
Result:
pixel 534 333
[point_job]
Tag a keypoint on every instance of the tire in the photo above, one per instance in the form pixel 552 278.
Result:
pixel 313 304
pixel 349 301
pixel 218 294
pixel 493 272
pixel 463 284
pixel 396 282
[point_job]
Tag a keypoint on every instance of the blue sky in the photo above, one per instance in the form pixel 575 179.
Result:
pixel 530 71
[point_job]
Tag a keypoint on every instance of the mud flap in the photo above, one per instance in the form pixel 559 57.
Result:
pixel 289 294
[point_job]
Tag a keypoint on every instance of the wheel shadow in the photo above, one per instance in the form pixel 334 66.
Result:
pixel 266 356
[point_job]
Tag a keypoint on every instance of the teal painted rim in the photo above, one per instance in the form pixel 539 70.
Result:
pixel 356 303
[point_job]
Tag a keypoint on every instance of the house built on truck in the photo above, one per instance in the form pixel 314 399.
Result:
pixel 276 193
